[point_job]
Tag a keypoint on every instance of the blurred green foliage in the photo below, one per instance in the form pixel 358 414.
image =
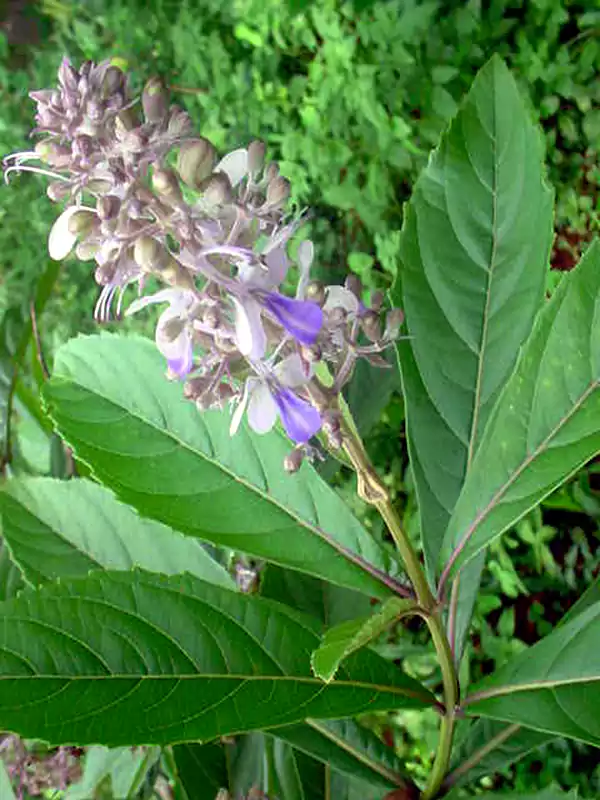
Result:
pixel 350 97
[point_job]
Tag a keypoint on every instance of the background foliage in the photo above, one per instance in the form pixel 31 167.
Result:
pixel 350 97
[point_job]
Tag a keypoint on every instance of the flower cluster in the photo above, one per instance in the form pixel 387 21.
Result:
pixel 147 197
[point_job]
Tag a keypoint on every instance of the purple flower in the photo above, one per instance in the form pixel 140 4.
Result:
pixel 270 396
pixel 301 318
pixel 300 419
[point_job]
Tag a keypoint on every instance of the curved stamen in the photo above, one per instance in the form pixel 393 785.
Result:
pixel 45 172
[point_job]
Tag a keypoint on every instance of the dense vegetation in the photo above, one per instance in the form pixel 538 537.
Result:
pixel 350 98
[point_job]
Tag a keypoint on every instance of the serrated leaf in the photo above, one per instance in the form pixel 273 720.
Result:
pixel 132 658
pixel 11 580
pixel 346 638
pixel 546 423
pixel 65 529
pixel 553 686
pixel 474 250
pixel 111 402
pixel 488 747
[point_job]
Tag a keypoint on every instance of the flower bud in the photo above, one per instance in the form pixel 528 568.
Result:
pixel 278 192
pixel 155 100
pixel 393 323
pixel 354 284
pixel 293 461
pixel 81 222
pixel 211 318
pixel 315 291
pixel 95 109
pixel 377 300
pixel 371 325
pixel 271 171
pixel 148 253
pixel 217 189
pixel 256 156
pixel 99 186
pixel 179 123
pixel 108 206
pixel 125 122
pixel 58 190
pixel 166 185
pixel 195 161
pixel 113 82
pixel 223 794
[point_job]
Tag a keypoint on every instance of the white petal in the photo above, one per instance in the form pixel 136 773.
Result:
pixel 249 332
pixel 262 410
pixel 171 296
pixel 236 419
pixel 278 264
pixel 291 371
pixel 305 258
pixel 234 165
pixel 339 297
pixel 61 241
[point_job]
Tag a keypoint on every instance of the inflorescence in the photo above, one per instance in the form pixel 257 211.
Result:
pixel 147 197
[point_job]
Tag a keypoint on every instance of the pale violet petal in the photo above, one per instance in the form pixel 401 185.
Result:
pixel 61 241
pixel 238 414
pixel 250 336
pixel 262 409
pixel 170 296
pixel 234 165
pixel 339 297
pixel 291 371
pixel 278 263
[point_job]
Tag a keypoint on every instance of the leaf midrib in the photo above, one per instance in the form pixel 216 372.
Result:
pixel 517 688
pixel 350 555
pixel 542 447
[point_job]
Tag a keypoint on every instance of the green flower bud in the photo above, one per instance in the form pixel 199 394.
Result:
pixel 393 323
pixel 148 253
pixel 195 161
pixel 86 251
pixel 371 325
pixel 278 192
pixel 114 81
pixel 155 100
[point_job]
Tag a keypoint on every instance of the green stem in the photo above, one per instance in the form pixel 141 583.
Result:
pixel 373 491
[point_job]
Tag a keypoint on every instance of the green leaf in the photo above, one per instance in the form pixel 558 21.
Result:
pixel 474 248
pixel 201 769
pixel 16 333
pixel 589 598
pixel 10 577
pixel 112 403
pixel 553 686
pixel 6 790
pixel 488 747
pixel 121 764
pixel 65 529
pixel 348 748
pixel 346 638
pixel 131 658
pixel 545 425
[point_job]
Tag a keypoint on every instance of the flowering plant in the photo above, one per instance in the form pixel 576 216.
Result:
pixel 130 632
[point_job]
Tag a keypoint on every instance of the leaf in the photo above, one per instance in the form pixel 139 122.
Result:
pixel 121 764
pixel 550 793
pixel 545 425
pixel 474 248
pixel 590 597
pixel 10 577
pixel 553 686
pixel 346 638
pixel 201 769
pixel 65 529
pixel 131 658
pixel 488 747
pixel 111 402
pixel 348 748
pixel 16 332
pixel 6 790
